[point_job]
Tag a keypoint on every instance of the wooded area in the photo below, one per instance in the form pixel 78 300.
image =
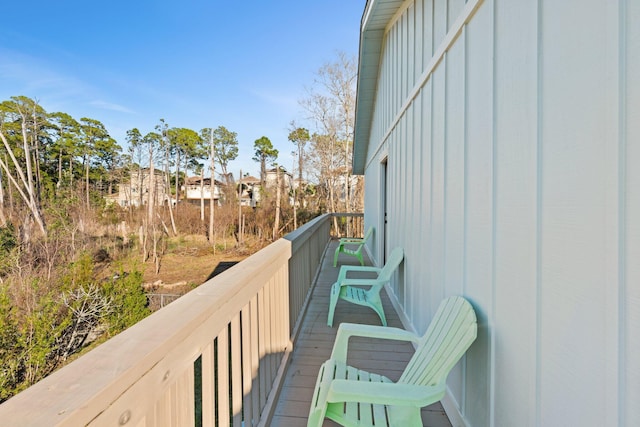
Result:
pixel 73 248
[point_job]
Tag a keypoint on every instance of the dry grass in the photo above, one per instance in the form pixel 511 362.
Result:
pixel 191 260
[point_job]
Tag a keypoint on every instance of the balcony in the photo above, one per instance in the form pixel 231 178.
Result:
pixel 242 349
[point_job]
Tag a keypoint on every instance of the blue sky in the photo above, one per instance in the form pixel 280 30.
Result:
pixel 240 64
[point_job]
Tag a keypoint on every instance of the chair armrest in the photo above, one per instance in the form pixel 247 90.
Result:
pixel 348 330
pixel 385 393
pixel 345 269
pixel 358 282
pixel 351 240
pixel 353 246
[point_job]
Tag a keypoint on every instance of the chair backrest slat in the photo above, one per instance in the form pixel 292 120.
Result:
pixel 395 258
pixel 451 332
pixel 367 235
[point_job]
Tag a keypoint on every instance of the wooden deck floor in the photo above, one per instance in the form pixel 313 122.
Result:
pixel 315 342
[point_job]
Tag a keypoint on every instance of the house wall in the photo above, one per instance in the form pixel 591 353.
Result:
pixel 510 179
pixel 129 193
pixel 194 192
pixel 285 178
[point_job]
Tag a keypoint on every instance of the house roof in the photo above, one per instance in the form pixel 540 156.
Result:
pixel 375 18
pixel 282 170
pixel 250 180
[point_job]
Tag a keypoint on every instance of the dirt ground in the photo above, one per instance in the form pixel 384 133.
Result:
pixel 190 261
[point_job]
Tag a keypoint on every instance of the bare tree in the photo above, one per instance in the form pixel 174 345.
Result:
pixel 330 104
pixel 3 218
pixel 136 154
pixel 22 174
pixel 201 193
pixel 213 186
pixel 166 146
pixel 149 228
pixel 323 162
pixel 276 222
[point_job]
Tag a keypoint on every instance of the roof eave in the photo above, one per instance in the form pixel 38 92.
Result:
pixel 375 18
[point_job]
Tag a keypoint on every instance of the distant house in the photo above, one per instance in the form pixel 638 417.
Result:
pixel 135 191
pixel 196 188
pixel 251 193
pixel 285 178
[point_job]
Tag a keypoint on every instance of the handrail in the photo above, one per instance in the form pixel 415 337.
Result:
pixel 350 225
pixel 216 355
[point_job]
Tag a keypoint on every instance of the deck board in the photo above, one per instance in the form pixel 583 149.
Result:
pixel 315 342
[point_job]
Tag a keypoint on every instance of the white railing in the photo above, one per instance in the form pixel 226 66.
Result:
pixel 214 357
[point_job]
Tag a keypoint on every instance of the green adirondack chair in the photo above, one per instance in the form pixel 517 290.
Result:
pixel 352 241
pixel 353 397
pixel 349 290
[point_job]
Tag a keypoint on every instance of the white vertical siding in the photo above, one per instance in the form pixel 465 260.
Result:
pixel 513 179
pixel 403 62
pixel 454 8
pixel 612 222
pixel 427 32
pixel 399 217
pixel 478 253
pixel 454 208
pixel 425 100
pixel 436 213
pixel 573 213
pixel 418 217
pixel 413 247
pixel 516 150
pixel 629 315
pixel 455 169
pixel 440 21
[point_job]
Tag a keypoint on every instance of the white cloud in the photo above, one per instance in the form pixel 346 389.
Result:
pixel 110 106
pixel 29 76
pixel 281 100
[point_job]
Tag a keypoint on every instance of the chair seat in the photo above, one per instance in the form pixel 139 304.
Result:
pixel 365 414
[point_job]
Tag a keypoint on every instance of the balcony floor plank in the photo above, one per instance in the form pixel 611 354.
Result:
pixel 315 342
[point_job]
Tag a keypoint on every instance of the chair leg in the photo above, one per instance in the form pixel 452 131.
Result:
pixel 360 258
pixel 380 313
pixel 405 416
pixel 335 256
pixel 316 418
pixel 376 305
pixel 333 301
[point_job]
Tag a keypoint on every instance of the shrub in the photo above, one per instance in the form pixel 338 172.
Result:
pixel 128 300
